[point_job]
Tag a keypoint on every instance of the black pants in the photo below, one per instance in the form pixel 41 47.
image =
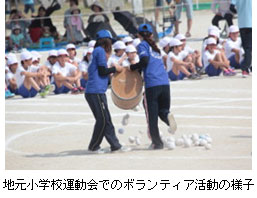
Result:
pixel 158 104
pixel 246 36
pixel 227 17
pixel 103 126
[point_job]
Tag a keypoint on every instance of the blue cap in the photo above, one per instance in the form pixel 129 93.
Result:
pixel 103 34
pixel 145 28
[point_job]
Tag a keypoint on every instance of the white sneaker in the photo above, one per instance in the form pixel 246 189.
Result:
pixel 123 149
pixel 172 123
pixel 99 151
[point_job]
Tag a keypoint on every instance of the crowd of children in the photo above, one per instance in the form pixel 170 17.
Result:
pixel 65 72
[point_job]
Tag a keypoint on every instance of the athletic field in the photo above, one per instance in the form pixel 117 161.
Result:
pixel 54 132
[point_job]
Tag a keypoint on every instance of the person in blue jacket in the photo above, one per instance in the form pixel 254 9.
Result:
pixel 157 87
pixel 98 75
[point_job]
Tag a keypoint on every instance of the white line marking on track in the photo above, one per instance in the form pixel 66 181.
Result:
pixel 118 124
pixel 132 114
pixel 15 137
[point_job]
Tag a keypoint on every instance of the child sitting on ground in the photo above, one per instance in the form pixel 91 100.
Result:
pixel 132 56
pixel 213 61
pixel 21 79
pixel 233 47
pixel 66 75
pixel 83 66
pixel 119 56
pixel 177 68
pixel 191 55
pixel 165 48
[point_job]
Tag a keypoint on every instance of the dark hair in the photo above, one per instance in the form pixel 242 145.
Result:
pixel 146 36
pixel 85 58
pixel 75 1
pixel 14 11
pixel 171 49
pixel 41 8
pixel 105 43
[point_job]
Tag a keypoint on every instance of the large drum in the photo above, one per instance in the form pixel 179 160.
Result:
pixel 126 89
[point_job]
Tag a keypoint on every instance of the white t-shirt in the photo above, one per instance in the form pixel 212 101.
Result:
pixel 113 59
pixel 208 56
pixel 49 65
pixel 7 68
pixel 169 62
pixel 204 45
pixel 230 44
pixel 163 53
pixel 64 71
pixel 188 49
pixel 17 76
pixel 33 69
pixel 76 59
pixel 126 62
pixel 83 66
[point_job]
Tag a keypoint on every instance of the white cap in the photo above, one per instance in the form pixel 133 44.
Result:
pixel 70 46
pixel 88 51
pixel 36 54
pixel 91 43
pixel 233 29
pixel 62 52
pixel 136 42
pixel 52 53
pixel 16 27
pixel 34 58
pixel 175 42
pixel 11 60
pixel 180 37
pixel 26 55
pixel 119 45
pixel 214 33
pixel 127 39
pixel 131 48
pixel 211 41
pixel 164 42
pixel 10 55
pixel 213 27
pixel 85 52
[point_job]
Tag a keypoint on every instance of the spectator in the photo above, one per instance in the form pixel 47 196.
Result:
pixel 223 12
pixel 189 11
pixel 244 12
pixel 159 4
pixel 97 16
pixel 16 41
pixel 42 24
pixel 75 26
pixel 17 18
pixel 28 5
pixel 67 14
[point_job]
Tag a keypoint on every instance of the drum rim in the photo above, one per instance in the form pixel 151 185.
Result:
pixel 127 99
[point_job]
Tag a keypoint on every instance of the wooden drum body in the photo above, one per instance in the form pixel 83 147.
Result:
pixel 126 89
